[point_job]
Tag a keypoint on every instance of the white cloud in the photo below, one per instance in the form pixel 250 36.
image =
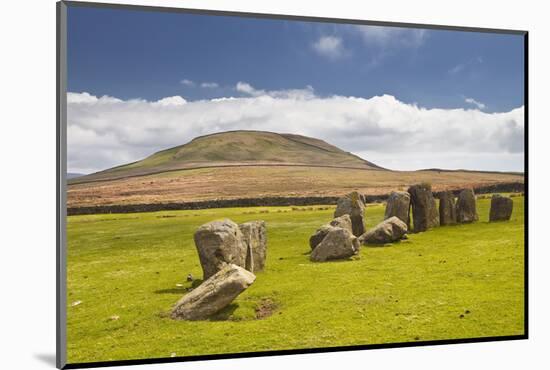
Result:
pixel 171 101
pixel 460 67
pixel 478 104
pixel 104 132
pixel 187 82
pixel 209 85
pixel 387 37
pixel 247 89
pixel 331 47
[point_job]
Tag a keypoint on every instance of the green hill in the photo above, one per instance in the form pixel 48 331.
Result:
pixel 237 148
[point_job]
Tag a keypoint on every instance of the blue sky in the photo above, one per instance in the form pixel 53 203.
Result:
pixel 137 54
pixel 403 98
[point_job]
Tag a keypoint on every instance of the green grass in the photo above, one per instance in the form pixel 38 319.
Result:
pixel 128 265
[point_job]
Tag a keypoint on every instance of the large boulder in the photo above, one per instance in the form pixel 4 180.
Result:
pixel 319 235
pixel 213 294
pixel 398 205
pixel 447 208
pixel 338 243
pixel 387 231
pixel 424 210
pixel 501 208
pixel 255 238
pixel 219 243
pixel 343 221
pixel 353 206
pixel 466 207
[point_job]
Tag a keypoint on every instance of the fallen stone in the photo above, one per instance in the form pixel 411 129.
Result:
pixel 466 207
pixel 214 294
pixel 219 243
pixel 339 243
pixel 353 206
pixel 387 231
pixel 398 205
pixel 255 238
pixel 447 208
pixel 343 221
pixel 501 208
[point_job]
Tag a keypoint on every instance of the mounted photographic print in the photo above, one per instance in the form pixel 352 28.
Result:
pixel 234 184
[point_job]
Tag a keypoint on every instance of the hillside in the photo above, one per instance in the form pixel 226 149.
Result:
pixel 253 165
pixel 237 148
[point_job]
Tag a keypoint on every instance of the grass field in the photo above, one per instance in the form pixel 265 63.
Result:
pixel 125 271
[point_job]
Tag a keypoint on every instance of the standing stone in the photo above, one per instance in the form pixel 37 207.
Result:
pixel 219 243
pixel 255 238
pixel 501 208
pixel 353 206
pixel 388 231
pixel 447 208
pixel 466 207
pixel 339 243
pixel 424 210
pixel 214 294
pixel 398 205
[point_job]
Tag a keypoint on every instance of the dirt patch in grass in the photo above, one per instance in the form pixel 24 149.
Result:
pixel 265 308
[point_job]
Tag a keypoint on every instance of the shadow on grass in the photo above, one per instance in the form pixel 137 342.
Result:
pixel 181 289
pixel 225 314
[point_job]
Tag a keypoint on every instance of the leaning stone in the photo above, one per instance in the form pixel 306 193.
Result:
pixel 339 243
pixel 255 238
pixel 501 208
pixel 424 211
pixel 219 243
pixel 353 206
pixel 388 231
pixel 447 208
pixel 213 294
pixel 466 207
pixel 398 205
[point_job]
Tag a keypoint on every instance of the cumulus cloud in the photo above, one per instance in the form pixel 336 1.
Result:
pixel 478 104
pixel 105 131
pixel 330 47
pixel 209 85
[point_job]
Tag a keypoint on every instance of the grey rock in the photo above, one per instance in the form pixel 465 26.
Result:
pixel 343 221
pixel 214 294
pixel 466 207
pixel 219 243
pixel 398 204
pixel 353 206
pixel 424 210
pixel 255 238
pixel 447 208
pixel 501 208
pixel 319 235
pixel 387 231
pixel 339 243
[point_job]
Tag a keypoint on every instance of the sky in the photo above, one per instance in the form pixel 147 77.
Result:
pixel 403 98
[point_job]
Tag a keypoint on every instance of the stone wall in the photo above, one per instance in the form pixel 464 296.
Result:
pixel 264 202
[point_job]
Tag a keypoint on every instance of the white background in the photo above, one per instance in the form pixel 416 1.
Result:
pixel 27 196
